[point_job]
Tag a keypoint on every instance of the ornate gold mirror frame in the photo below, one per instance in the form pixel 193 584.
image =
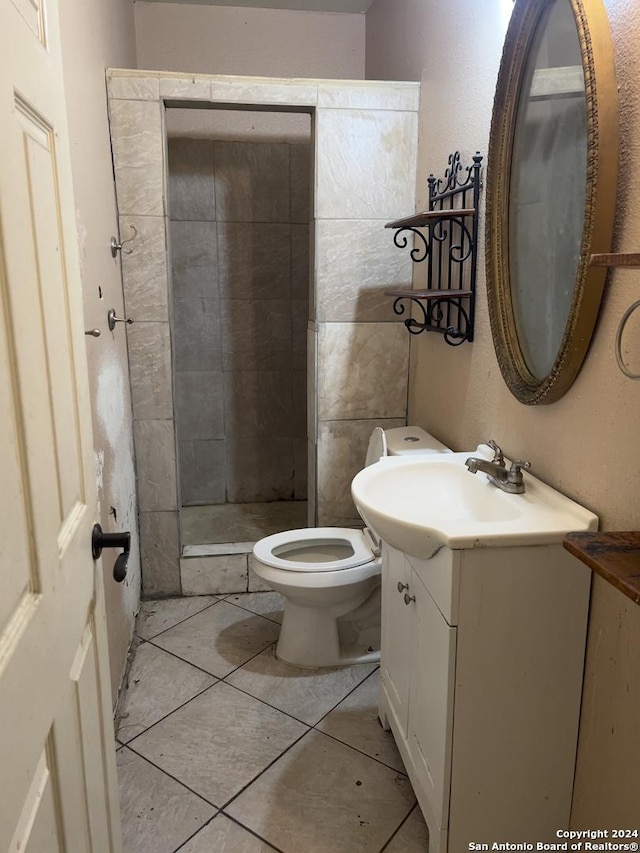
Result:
pixel 596 48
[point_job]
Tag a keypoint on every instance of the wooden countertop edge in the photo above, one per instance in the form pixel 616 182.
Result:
pixel 614 555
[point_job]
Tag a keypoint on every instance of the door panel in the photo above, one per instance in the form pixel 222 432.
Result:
pixel 431 714
pixel 397 630
pixel 56 738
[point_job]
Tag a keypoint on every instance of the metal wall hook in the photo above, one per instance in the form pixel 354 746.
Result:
pixel 95 333
pixel 119 247
pixel 112 319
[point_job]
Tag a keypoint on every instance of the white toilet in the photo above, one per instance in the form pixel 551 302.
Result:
pixel 330 576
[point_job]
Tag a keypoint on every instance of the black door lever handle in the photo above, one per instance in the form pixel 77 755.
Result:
pixel 100 540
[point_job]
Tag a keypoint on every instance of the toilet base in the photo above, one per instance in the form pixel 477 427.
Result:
pixel 313 637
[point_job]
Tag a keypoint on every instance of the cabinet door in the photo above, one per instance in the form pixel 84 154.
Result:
pixel 431 711
pixel 397 629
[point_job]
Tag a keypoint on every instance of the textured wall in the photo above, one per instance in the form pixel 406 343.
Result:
pixel 251 42
pixel 95 35
pixel 586 444
pixel 240 282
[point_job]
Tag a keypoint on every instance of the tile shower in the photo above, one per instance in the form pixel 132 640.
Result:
pixel 239 235
pixel 364 144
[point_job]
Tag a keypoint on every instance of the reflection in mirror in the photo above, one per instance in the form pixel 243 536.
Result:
pixel 548 183
pixel 551 183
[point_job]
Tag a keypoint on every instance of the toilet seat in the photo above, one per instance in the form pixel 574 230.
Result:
pixel 272 549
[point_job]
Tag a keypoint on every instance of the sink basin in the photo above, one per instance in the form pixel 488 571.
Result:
pixel 419 505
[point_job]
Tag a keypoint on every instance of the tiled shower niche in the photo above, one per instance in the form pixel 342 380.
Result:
pixel 364 144
pixel 239 236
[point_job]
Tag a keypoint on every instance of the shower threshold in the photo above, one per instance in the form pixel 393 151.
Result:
pixel 235 528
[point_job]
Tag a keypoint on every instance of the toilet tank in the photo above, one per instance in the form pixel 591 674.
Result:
pixel 410 440
pixel 402 441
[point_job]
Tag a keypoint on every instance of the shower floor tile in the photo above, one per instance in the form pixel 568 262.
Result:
pixel 222 523
pixel 231 768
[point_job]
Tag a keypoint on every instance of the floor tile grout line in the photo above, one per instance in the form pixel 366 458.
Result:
pixel 153 725
pixel 246 609
pixel 267 704
pixel 264 770
pixel 366 754
pixel 275 707
pixel 252 831
pixel 175 779
pixel 184 660
pixel 180 622
pixel 398 828
pixel 359 684
pixel 193 835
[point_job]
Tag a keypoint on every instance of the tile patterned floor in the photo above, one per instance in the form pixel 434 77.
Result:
pixel 221 748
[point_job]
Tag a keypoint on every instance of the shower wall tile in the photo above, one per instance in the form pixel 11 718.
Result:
pixel 150 371
pixel 156 461
pixel 312 484
pixel 196 328
pixel 261 91
pixel 299 321
pixel 259 469
pixel 366 162
pixel 214 575
pixel 362 370
pixel 137 143
pixel 312 382
pixel 160 553
pixel 185 88
pixel 199 405
pixel 258 403
pixel 191 185
pixel 299 405
pixel 301 177
pixel 300 267
pixel 369 95
pixel 144 267
pixel 252 181
pixel 256 334
pixel 254 260
pixel 300 481
pixel 256 584
pixel 202 472
pixel 342 448
pixel 133 88
pixel 356 262
pixel 194 259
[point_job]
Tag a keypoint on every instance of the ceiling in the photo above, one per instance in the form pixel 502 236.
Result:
pixel 302 5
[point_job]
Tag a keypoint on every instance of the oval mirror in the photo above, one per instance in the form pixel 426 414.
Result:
pixel 551 183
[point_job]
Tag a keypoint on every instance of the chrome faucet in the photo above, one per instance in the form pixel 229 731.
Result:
pixel 510 480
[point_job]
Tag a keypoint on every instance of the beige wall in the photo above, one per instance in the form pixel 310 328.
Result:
pixel 250 42
pixel 586 444
pixel 95 34
pixel 253 42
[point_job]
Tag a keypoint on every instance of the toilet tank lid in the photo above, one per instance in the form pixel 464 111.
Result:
pixel 405 441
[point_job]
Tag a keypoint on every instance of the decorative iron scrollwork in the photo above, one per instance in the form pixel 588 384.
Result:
pixel 448 244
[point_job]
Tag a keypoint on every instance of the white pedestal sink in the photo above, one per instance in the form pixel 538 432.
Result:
pixel 419 505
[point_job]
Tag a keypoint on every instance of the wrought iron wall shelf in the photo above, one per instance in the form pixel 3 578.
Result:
pixel 449 247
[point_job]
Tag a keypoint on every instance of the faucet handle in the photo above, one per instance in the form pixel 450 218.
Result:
pixel 515 472
pixel 498 455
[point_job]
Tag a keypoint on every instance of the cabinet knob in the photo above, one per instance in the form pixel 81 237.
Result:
pixel 408 598
pixel 402 586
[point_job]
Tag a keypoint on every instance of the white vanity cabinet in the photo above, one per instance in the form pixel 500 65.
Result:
pixel 481 677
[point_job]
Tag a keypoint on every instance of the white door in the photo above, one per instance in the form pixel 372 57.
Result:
pixel 57 763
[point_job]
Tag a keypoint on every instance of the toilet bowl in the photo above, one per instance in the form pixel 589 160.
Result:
pixel 330 576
